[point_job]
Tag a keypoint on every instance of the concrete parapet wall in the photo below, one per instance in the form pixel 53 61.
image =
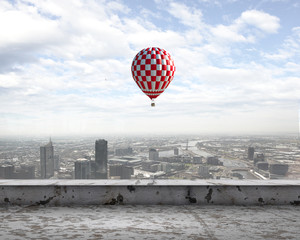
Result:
pixel 149 192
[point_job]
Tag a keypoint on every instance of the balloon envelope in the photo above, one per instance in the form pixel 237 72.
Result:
pixel 153 69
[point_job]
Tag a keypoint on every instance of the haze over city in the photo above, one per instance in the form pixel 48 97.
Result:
pixel 65 67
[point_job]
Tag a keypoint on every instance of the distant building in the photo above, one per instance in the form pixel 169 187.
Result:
pixel 56 163
pixel 147 165
pixel 123 151
pixel 101 159
pixel 118 170
pixel 174 159
pixel 263 165
pixel 23 172
pixel 7 171
pixel 176 151
pixel 203 172
pixel 153 154
pixel 166 167
pixel 30 171
pixel 214 161
pixel 82 169
pixel 155 167
pixel 278 168
pixel 250 153
pixel 197 160
pixel 47 160
pixel 258 157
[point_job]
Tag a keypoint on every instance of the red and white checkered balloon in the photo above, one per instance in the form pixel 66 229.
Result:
pixel 153 70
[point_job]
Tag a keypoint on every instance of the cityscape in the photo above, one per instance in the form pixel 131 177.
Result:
pixel 157 119
pixel 156 157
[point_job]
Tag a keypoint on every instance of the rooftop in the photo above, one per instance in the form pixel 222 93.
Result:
pixel 149 209
pixel 150 222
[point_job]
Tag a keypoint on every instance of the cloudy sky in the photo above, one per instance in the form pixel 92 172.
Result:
pixel 65 66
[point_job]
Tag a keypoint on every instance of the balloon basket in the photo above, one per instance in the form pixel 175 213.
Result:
pixel 152 104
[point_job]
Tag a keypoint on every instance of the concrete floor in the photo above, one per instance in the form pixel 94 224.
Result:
pixel 150 222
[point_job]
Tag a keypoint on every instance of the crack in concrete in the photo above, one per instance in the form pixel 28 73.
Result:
pixel 208 196
pixel 207 231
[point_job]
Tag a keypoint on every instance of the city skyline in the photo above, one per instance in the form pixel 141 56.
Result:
pixel 227 157
pixel 65 67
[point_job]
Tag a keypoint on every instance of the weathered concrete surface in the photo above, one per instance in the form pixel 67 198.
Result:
pixel 150 222
pixel 149 192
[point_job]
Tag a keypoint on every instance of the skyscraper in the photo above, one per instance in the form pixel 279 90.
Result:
pixel 82 169
pixel 47 160
pixel 250 153
pixel 101 159
pixel 56 163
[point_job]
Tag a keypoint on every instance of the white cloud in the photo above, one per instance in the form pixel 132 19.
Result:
pixel 67 68
pixel 26 28
pixel 289 49
pixel 261 20
pixel 292 67
pixel 281 55
pixel 229 33
pixel 240 31
pixel 9 80
pixel 187 15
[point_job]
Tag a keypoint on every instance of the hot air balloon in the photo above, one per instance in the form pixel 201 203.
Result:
pixel 153 69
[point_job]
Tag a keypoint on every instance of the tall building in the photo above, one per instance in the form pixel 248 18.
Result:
pixel 101 159
pixel 56 163
pixel 250 153
pixel 153 154
pixel 47 160
pixel 82 169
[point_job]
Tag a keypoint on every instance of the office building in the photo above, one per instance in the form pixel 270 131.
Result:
pixel 101 159
pixel 263 165
pixel 258 157
pixel 250 153
pixel 153 154
pixel 203 172
pixel 7 171
pixel 47 160
pixel 56 163
pixel 176 151
pixel 278 168
pixel 121 171
pixel 82 169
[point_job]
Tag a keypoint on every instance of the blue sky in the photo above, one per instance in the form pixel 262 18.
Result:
pixel 65 66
